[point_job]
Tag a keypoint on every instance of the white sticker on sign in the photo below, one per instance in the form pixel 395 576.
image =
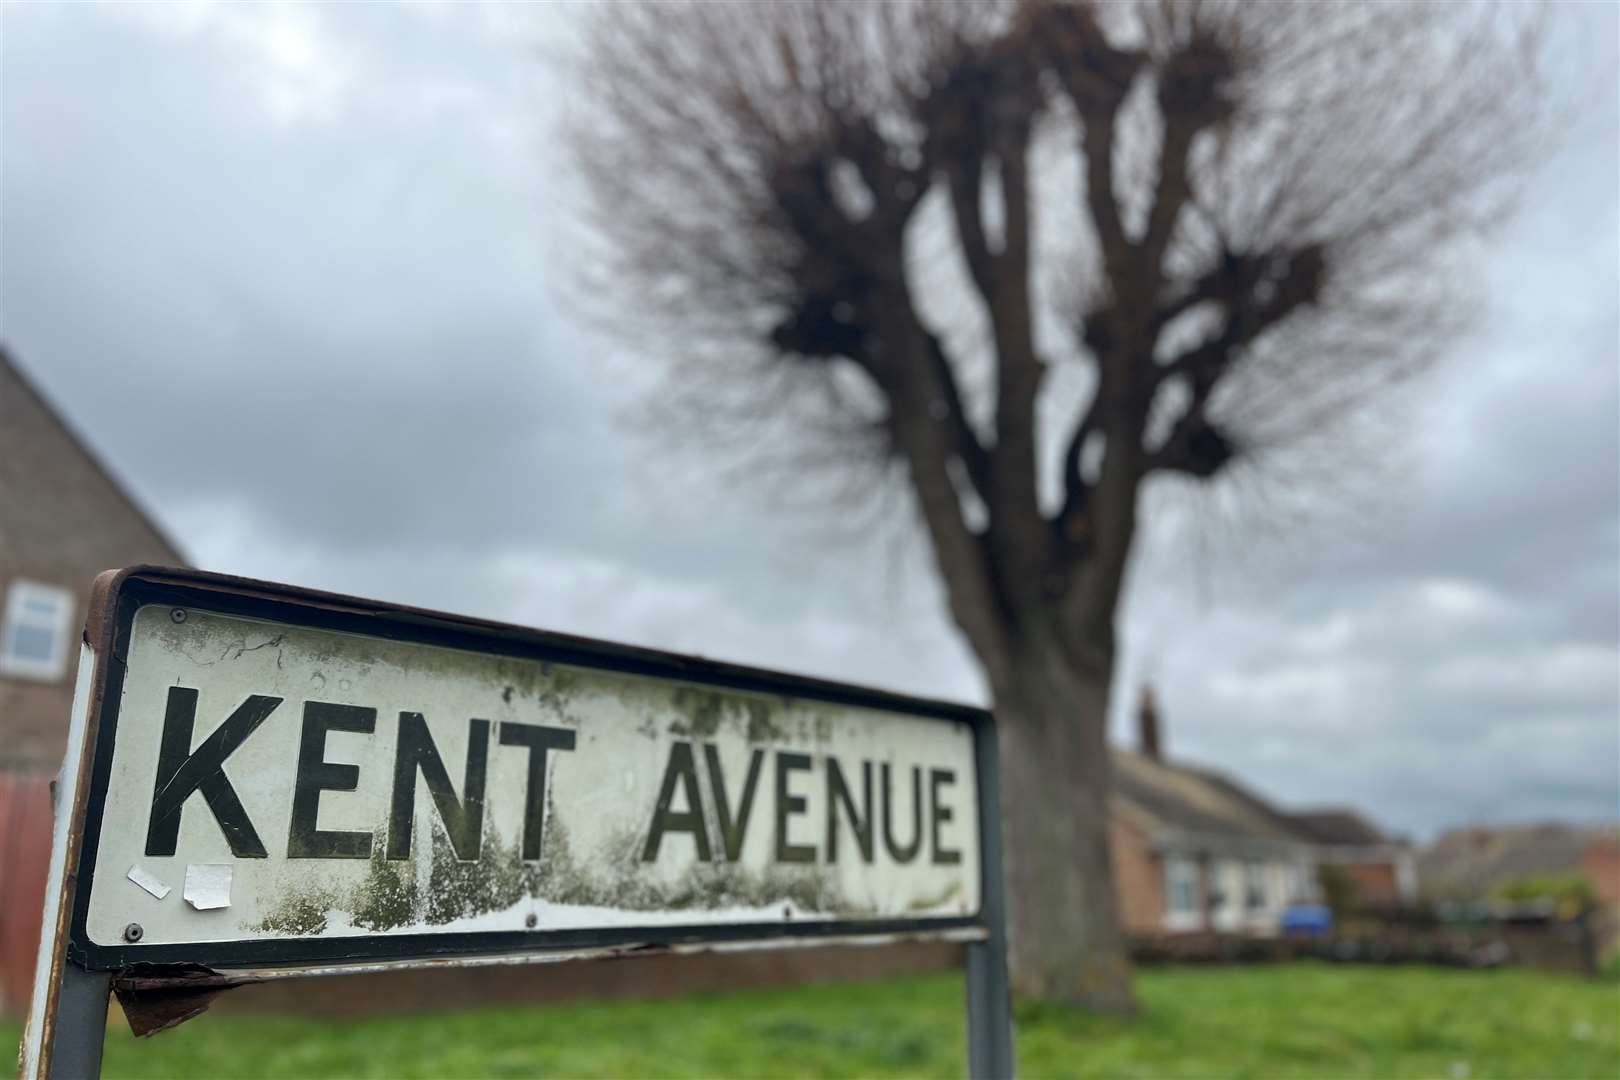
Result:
pixel 208 886
pixel 146 881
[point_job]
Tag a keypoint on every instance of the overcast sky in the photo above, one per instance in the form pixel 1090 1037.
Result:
pixel 294 272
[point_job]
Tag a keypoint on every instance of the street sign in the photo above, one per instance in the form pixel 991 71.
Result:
pixel 267 782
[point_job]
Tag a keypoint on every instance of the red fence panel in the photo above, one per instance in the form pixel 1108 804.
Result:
pixel 25 856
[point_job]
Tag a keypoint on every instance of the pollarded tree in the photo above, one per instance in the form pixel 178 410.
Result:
pixel 1037 254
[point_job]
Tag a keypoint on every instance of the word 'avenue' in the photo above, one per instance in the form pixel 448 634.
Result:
pixel 860 815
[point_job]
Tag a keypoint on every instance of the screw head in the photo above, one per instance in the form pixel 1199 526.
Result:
pixel 133 932
pixel 178 615
pixel 531 920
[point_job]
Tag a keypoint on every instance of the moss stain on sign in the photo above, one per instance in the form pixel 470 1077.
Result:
pixel 392 896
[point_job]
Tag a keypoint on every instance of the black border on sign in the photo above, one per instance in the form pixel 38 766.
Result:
pixel 142 586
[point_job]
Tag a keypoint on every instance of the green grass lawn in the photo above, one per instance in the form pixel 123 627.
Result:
pixel 1297 1020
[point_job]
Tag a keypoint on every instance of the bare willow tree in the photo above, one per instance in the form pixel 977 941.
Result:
pixel 1034 255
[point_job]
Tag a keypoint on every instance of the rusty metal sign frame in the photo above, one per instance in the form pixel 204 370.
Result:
pixel 164 985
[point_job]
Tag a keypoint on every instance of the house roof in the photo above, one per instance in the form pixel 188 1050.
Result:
pixel 1176 805
pixel 47 466
pixel 1339 826
pixel 1468 863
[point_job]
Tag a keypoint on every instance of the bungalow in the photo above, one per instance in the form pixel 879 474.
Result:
pixel 1194 851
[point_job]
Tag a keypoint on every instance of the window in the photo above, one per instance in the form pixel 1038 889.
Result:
pixel 1297 888
pixel 34 636
pixel 1226 894
pixel 1254 886
pixel 1181 886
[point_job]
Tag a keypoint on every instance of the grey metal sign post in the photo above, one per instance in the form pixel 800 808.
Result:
pixel 989 1004
pixel 266 783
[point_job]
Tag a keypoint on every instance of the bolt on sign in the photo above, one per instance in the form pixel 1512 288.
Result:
pixel 265 782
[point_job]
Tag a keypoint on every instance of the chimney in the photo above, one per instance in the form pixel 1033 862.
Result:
pixel 1147 720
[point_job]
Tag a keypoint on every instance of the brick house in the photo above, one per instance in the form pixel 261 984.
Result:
pixel 1469 863
pixel 1194 851
pixel 63 519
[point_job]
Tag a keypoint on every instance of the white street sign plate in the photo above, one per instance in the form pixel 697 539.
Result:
pixel 273 783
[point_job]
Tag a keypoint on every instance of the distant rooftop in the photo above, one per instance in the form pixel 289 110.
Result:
pixel 1340 825
pixel 1468 862
pixel 1166 800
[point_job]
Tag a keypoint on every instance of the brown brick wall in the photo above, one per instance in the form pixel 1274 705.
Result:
pixel 63 520
pixel 1138 879
pixel 25 856
pixel 1374 883
pixel 1601 865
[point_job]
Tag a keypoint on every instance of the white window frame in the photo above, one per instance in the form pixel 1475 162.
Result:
pixel 1297 884
pixel 1226 877
pixel 1187 870
pixel 23 599
pixel 1254 889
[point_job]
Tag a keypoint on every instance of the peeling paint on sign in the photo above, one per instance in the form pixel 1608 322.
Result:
pixel 309 783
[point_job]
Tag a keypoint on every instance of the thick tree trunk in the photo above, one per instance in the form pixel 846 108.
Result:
pixel 1066 940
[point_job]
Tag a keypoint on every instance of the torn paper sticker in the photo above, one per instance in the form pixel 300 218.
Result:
pixel 208 886
pixel 148 882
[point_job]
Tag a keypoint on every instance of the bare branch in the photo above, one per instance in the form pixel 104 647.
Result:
pixel 1260 218
pixel 1096 75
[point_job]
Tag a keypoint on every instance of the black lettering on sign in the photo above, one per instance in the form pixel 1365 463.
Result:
pixel 681 769
pixel 788 805
pixel 909 852
pixel 463 818
pixel 316 774
pixel 838 793
pixel 732 830
pixel 180 773
pixel 538 739
pixel 938 778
